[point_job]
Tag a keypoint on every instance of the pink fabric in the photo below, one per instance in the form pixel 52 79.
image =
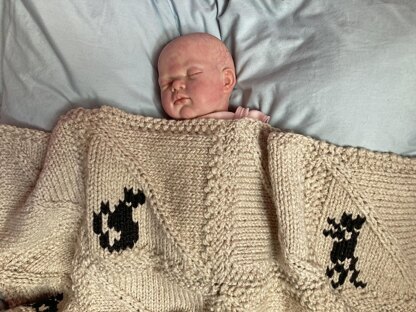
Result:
pixel 241 112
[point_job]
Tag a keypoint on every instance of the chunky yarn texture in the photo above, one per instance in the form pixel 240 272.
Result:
pixel 116 212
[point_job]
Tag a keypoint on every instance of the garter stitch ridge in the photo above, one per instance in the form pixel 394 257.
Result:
pixel 117 212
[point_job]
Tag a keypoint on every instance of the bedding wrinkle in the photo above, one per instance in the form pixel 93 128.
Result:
pixel 221 7
pixel 4 33
pixel 174 11
pixel 195 16
pixel 49 40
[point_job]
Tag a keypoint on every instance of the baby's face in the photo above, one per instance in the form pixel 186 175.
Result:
pixel 191 82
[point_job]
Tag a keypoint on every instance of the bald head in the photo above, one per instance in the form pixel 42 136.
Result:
pixel 206 44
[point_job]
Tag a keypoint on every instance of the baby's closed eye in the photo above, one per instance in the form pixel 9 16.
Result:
pixel 164 84
pixel 194 74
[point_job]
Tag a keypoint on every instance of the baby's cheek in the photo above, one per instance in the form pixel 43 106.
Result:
pixel 166 103
pixel 166 97
pixel 209 90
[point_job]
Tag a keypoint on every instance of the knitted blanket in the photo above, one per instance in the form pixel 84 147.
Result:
pixel 116 212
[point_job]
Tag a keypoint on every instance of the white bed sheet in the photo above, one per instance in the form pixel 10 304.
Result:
pixel 341 72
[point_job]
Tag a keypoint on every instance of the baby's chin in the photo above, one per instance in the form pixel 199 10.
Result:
pixel 187 112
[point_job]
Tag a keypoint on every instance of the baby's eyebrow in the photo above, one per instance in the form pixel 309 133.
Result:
pixel 194 68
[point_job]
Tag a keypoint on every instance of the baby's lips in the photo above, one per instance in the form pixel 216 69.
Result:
pixel 180 100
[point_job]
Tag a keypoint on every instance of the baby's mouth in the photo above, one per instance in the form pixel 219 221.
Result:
pixel 182 100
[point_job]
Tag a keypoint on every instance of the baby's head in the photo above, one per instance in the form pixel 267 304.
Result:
pixel 196 76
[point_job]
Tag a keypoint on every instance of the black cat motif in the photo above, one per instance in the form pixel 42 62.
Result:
pixel 121 221
pixel 343 249
pixel 48 304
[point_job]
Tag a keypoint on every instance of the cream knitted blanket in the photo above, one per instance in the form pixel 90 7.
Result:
pixel 115 212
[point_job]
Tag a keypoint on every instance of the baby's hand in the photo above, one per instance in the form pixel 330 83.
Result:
pixel 241 112
pixel 255 114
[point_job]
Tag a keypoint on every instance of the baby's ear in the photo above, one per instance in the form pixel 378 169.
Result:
pixel 228 79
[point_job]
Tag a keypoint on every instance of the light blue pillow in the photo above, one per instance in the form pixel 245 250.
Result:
pixel 63 54
pixel 342 71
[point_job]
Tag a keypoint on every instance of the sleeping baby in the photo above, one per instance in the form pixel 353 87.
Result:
pixel 196 78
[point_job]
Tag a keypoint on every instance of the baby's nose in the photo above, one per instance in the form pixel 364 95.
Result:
pixel 178 84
